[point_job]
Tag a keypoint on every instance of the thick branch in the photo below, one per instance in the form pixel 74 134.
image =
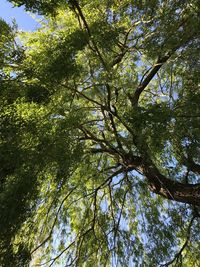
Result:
pixel 166 187
pixel 192 166
pixel 146 81
pixel 160 62
pixel 173 190
pixel 158 183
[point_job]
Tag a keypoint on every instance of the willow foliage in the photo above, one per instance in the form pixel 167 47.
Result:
pixel 99 122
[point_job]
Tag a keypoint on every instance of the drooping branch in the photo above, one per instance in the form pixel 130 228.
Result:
pixel 54 222
pixel 179 254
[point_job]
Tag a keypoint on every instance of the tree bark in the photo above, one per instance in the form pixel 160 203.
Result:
pixel 173 190
pixel 164 186
pixel 192 166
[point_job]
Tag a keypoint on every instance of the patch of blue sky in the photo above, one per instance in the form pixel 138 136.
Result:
pixel 25 20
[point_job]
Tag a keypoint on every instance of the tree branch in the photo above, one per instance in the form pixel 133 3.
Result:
pixel 160 62
pixel 76 5
pixel 192 166
pixel 166 187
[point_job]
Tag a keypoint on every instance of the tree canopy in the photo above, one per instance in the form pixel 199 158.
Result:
pixel 100 128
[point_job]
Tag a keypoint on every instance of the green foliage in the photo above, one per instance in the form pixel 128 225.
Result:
pixel 153 122
pixel 10 52
pixel 99 108
pixel 57 56
pixel 31 140
pixel 43 7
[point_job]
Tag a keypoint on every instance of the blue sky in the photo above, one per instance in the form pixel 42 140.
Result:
pixel 24 20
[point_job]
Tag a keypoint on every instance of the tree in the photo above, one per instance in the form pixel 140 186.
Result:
pixel 100 134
